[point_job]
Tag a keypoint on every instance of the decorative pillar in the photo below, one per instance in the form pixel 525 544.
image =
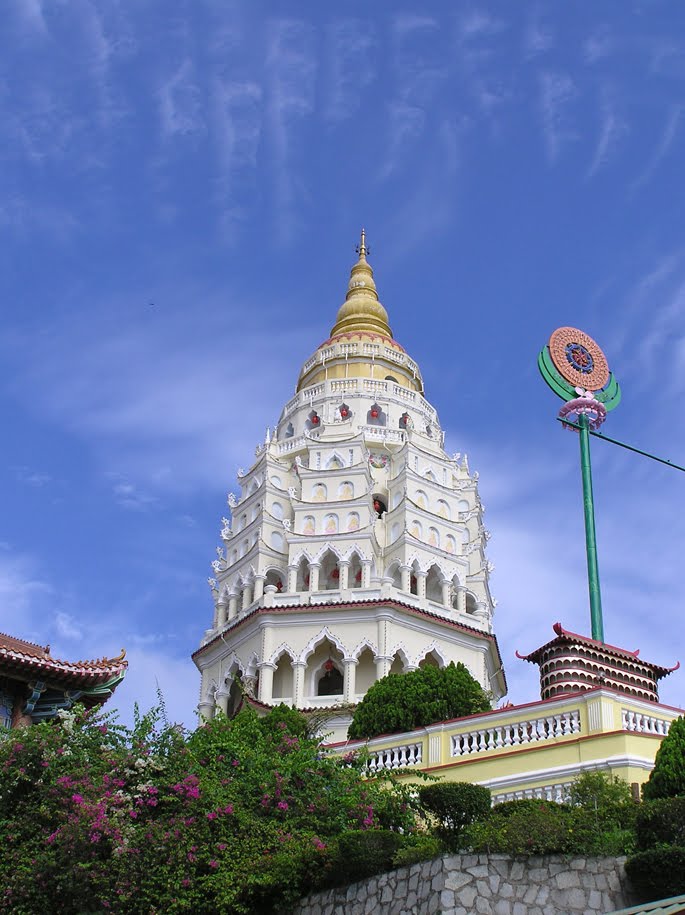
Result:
pixel 298 698
pixel 266 681
pixel 247 597
pixel 461 599
pixel 259 586
pixel 221 610
pixel 222 696
pixel 446 593
pixel 344 569
pixel 232 605
pixel 292 579
pixel 206 710
pixel 405 572
pixel 366 573
pixel 269 592
pixel 382 659
pixel 314 569
pixel 421 585
pixel 349 679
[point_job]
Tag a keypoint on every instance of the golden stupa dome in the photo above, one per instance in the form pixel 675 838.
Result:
pixel 361 311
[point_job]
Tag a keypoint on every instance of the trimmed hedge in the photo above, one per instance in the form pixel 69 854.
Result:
pixel 658 873
pixel 661 822
pixel 455 805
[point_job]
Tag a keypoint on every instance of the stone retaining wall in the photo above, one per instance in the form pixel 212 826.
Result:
pixel 483 884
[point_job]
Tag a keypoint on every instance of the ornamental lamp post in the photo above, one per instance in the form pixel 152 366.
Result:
pixel 576 369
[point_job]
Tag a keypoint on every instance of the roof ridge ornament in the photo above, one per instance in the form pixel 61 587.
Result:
pixel 362 312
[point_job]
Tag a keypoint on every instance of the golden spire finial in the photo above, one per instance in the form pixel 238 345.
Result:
pixel 361 248
pixel 361 311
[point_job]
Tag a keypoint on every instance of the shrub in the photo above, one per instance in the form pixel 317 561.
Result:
pixel 363 853
pixel 607 800
pixel 240 816
pixel 455 805
pixel 417 847
pixel 523 805
pixel 541 828
pixel 657 873
pixel 667 778
pixel 661 822
pixel 402 702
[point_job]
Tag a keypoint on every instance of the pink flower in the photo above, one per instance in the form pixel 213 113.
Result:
pixel 222 846
pixel 213 863
pixel 185 882
pixel 282 805
pixel 77 798
pixel 228 809
pixel 318 844
pixel 133 814
pixel 212 815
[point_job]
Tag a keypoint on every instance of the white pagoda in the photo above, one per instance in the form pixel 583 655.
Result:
pixel 356 545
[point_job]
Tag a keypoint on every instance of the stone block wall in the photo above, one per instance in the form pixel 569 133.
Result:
pixel 485 885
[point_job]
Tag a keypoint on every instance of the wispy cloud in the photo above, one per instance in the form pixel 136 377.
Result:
pixel 663 147
pixel 538 37
pixel 180 102
pixel 557 93
pixel 612 128
pixel 598 45
pixel 351 66
pixel 23 594
pixel 291 65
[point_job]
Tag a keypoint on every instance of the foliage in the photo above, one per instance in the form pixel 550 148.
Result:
pixel 362 853
pixel 658 873
pixel 402 702
pixel 607 796
pixel 598 820
pixel 417 847
pixel 667 778
pixel 239 816
pixel 661 822
pixel 455 805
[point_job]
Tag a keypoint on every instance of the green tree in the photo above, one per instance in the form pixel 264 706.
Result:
pixel 402 702
pixel 667 778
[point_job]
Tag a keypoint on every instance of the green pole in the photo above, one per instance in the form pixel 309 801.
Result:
pixel 590 537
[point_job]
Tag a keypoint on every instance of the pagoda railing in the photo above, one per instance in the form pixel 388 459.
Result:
pixel 644 724
pixel 518 733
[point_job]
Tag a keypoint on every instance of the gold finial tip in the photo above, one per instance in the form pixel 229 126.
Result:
pixel 362 249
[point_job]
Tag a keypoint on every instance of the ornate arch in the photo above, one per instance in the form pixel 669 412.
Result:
pixel 365 643
pixel 435 649
pixel 314 642
pixel 282 649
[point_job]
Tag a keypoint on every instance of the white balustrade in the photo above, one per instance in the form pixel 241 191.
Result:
pixel 557 792
pixel 516 734
pixel 408 754
pixel 644 724
pixel 383 433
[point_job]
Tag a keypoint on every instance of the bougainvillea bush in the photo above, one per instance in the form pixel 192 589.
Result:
pixel 239 816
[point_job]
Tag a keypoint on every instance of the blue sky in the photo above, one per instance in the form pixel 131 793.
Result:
pixel 181 189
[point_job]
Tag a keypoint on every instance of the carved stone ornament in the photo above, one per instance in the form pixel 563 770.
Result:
pixel 212 583
pixel 292 492
pixel 216 566
pixel 250 686
pixel 220 552
pixel 232 501
pixel 287 523
pixel 241 472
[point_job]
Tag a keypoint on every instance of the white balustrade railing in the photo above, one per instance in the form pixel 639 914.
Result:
pixel 644 724
pixel 408 754
pixel 516 734
pixel 557 792
pixel 383 433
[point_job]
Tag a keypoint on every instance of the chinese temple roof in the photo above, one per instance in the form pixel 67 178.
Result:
pixel 564 637
pixel 20 659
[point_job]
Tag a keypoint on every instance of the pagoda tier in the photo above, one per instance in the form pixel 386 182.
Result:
pixel 34 686
pixel 573 663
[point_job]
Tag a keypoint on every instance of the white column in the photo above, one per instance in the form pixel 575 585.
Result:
pixel 232 605
pixel 366 573
pixel 221 610
pixel 405 572
pixel 344 568
pixel 298 698
pixel 461 599
pixel 314 569
pixel 206 711
pixel 421 585
pixel 222 699
pixel 259 586
pixel 266 681
pixel 247 597
pixel 269 592
pixel 292 579
pixel 349 679
pixel 446 593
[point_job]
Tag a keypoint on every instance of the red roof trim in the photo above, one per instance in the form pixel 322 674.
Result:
pixel 313 608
